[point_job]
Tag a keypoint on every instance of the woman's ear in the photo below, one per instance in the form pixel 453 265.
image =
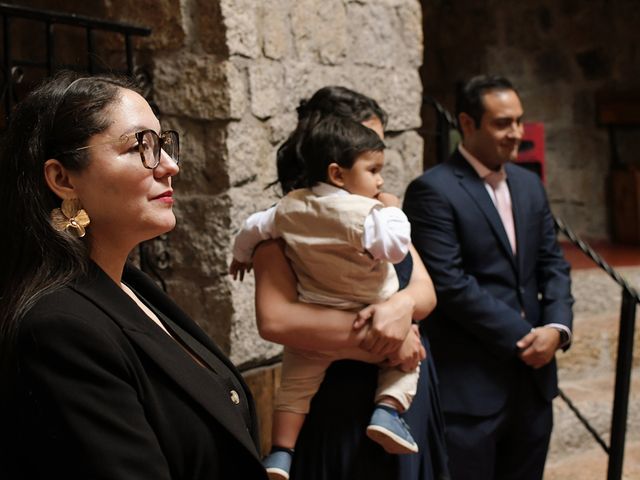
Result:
pixel 334 174
pixel 57 178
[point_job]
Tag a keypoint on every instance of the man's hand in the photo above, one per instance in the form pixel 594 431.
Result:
pixel 388 199
pixel 238 269
pixel 538 347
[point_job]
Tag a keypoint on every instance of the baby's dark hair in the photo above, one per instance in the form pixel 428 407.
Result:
pixel 335 139
pixel 328 101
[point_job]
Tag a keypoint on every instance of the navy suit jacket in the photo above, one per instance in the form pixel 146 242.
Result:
pixel 488 298
pixel 103 392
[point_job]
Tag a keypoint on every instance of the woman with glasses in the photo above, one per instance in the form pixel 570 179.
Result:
pixel 103 376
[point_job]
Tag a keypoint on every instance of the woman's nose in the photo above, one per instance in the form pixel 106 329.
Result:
pixel 167 165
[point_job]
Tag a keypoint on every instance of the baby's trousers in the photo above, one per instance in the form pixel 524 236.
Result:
pixel 303 372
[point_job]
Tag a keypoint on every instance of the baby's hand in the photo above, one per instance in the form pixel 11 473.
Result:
pixel 388 199
pixel 238 269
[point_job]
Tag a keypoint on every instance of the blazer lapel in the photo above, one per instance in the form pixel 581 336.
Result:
pixel 166 352
pixel 476 189
pixel 518 203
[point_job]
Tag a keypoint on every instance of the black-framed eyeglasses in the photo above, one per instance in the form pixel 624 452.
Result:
pixel 150 144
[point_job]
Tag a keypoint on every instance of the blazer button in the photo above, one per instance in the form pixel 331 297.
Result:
pixel 521 289
pixel 235 398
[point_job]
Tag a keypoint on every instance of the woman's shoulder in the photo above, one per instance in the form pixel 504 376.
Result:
pixel 60 312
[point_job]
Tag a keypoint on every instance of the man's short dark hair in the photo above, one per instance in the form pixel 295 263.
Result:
pixel 470 97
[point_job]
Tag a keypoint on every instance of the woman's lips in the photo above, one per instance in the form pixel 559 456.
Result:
pixel 166 197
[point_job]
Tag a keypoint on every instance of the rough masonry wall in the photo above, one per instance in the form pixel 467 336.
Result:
pixel 284 50
pixel 228 75
pixel 559 54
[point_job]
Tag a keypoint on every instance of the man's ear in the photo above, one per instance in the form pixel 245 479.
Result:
pixel 467 124
pixel 57 178
pixel 334 174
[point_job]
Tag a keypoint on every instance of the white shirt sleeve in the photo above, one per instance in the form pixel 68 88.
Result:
pixel 258 227
pixel 387 234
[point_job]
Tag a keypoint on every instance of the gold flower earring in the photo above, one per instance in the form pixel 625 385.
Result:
pixel 71 217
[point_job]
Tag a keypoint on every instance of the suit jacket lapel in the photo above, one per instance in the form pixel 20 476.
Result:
pixel 518 203
pixel 476 189
pixel 164 351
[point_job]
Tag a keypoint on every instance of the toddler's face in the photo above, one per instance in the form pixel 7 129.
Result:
pixel 365 177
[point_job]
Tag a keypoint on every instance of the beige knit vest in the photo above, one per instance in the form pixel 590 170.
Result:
pixel 323 238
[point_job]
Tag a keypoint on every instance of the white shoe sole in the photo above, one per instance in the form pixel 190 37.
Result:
pixel 391 442
pixel 277 474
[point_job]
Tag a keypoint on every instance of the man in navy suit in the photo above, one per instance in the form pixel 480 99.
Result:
pixel 483 227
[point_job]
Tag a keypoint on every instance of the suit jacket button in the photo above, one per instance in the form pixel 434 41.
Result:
pixel 521 289
pixel 235 398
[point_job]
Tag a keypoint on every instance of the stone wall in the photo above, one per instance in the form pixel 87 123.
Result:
pixel 559 54
pixel 283 51
pixel 228 75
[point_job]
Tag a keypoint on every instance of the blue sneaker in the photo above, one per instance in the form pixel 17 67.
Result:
pixel 391 432
pixel 277 464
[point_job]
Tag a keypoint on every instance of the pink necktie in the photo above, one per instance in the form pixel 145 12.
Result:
pixel 498 181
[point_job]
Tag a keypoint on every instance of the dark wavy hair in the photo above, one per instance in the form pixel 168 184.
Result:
pixel 332 100
pixel 334 140
pixel 469 98
pixel 60 115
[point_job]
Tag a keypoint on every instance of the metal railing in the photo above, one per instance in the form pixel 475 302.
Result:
pixel 13 68
pixel 624 361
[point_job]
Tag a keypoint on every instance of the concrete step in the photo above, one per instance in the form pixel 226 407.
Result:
pixel 592 465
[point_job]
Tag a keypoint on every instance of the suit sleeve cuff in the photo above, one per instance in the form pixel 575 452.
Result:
pixel 565 334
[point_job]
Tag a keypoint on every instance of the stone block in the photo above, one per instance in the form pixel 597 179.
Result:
pixel 552 65
pixel 311 21
pixel 546 103
pixel 266 80
pixel 251 154
pixel 199 86
pixel 397 90
pixel 164 17
pixel 246 345
pixel 403 161
pixel 209 305
pixel 594 63
pixel 209 30
pixel 508 61
pixel 240 18
pixel 410 25
pixel 281 126
pixel 203 156
pixel 275 29
pixel 375 36
pixel 201 236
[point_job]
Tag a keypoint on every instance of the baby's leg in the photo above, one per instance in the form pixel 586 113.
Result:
pixel 395 392
pixel 286 428
pixel 396 388
pixel 302 374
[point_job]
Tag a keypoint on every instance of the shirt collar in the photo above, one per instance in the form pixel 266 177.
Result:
pixel 482 171
pixel 322 189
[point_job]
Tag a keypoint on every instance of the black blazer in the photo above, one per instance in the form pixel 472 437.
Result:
pixel 104 393
pixel 488 298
